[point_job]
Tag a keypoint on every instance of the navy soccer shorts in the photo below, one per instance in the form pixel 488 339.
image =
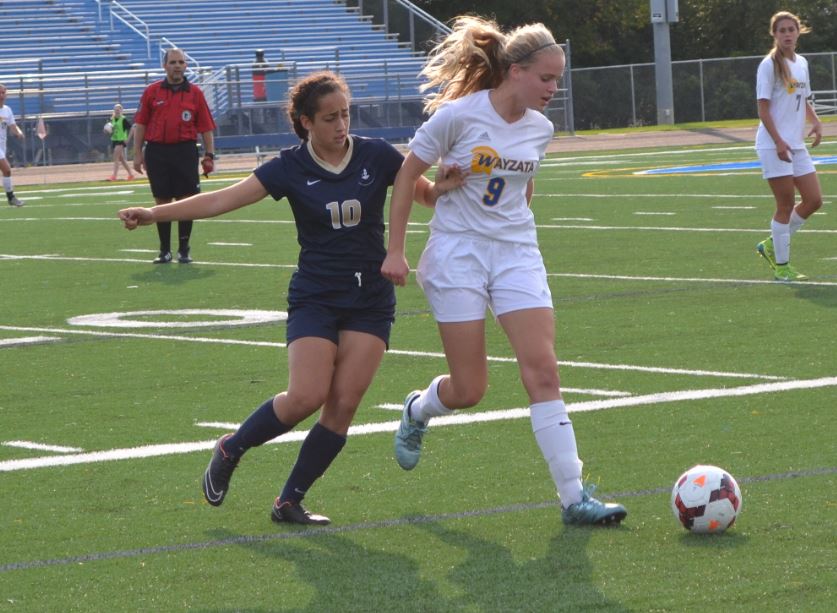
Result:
pixel 172 170
pixel 323 306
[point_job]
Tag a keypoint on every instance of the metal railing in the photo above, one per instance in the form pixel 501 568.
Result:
pixel 131 21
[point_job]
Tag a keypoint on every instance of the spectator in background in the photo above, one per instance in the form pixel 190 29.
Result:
pixel 783 88
pixel 7 123
pixel 171 114
pixel 119 129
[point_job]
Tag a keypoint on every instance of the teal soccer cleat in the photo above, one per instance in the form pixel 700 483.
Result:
pixel 765 250
pixel 592 512
pixel 409 435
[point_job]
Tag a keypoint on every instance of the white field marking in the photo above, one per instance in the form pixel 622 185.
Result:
pixel 5 256
pixel 42 447
pixel 28 340
pixel 596 365
pixel 654 213
pixel 61 258
pixel 232 244
pixel 139 250
pixel 120 192
pixel 169 337
pixel 460 418
pixel 689 279
pixel 389 406
pixel 424 354
pixel 115 219
pixel 734 208
pixel 125 319
pixel 689 150
pixel 629 155
pixel 657 195
pixel 672 229
pixel 79 191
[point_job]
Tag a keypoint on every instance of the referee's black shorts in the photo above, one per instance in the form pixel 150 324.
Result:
pixel 173 169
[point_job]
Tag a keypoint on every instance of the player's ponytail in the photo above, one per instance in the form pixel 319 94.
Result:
pixel 476 55
pixel 780 68
pixel 467 60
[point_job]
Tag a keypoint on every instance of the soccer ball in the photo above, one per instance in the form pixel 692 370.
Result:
pixel 706 499
pixel 108 128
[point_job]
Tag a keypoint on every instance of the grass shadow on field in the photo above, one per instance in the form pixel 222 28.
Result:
pixel 493 580
pixel 173 274
pixel 347 576
pixel 724 540
pixel 822 296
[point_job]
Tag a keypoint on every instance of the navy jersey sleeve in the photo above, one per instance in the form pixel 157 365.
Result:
pixel 272 176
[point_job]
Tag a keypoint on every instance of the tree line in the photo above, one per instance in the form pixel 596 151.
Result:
pixel 608 32
pixel 618 32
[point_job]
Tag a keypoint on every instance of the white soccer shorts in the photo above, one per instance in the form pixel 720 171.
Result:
pixel 772 167
pixel 462 275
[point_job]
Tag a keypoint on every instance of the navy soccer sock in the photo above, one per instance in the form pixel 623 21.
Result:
pixel 260 427
pixel 164 233
pixel 184 232
pixel 317 453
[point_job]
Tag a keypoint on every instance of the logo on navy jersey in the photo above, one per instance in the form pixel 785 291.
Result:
pixel 186 115
pixel 365 178
pixel 311 182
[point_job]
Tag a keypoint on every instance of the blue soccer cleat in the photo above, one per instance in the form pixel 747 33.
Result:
pixel 409 435
pixel 592 512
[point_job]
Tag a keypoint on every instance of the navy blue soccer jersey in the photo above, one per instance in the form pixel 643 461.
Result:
pixel 339 217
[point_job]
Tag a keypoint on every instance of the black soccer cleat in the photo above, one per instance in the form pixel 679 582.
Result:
pixel 183 256
pixel 294 513
pixel 216 479
pixel 163 258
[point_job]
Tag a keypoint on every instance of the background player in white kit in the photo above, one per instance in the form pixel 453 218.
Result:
pixel 483 249
pixel 783 87
pixel 7 122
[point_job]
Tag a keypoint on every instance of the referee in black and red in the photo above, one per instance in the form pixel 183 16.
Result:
pixel 171 114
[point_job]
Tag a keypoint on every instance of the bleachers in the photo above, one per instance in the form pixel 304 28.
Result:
pixel 69 61
pixel 344 41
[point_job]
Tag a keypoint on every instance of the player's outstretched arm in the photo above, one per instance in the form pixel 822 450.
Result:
pixel 209 204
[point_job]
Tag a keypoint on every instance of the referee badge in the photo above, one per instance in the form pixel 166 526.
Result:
pixel 186 115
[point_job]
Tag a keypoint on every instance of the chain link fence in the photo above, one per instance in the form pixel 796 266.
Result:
pixel 704 90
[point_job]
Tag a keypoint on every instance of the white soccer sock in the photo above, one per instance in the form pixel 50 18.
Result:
pixel 556 438
pixel 428 404
pixel 796 221
pixel 781 241
pixel 7 183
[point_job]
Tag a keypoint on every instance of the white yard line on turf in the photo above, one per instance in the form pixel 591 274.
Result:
pixel 424 354
pixel 60 258
pixel 42 447
pixel 690 279
pixel 28 340
pixel 150 451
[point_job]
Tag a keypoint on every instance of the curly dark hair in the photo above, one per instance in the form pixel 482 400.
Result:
pixel 304 97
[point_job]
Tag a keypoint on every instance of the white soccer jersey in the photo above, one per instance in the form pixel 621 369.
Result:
pixel 501 156
pixel 787 102
pixel 7 119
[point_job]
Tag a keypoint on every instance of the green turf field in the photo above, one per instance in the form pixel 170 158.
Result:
pixel 676 348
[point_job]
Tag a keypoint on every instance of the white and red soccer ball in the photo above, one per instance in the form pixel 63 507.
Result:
pixel 706 499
